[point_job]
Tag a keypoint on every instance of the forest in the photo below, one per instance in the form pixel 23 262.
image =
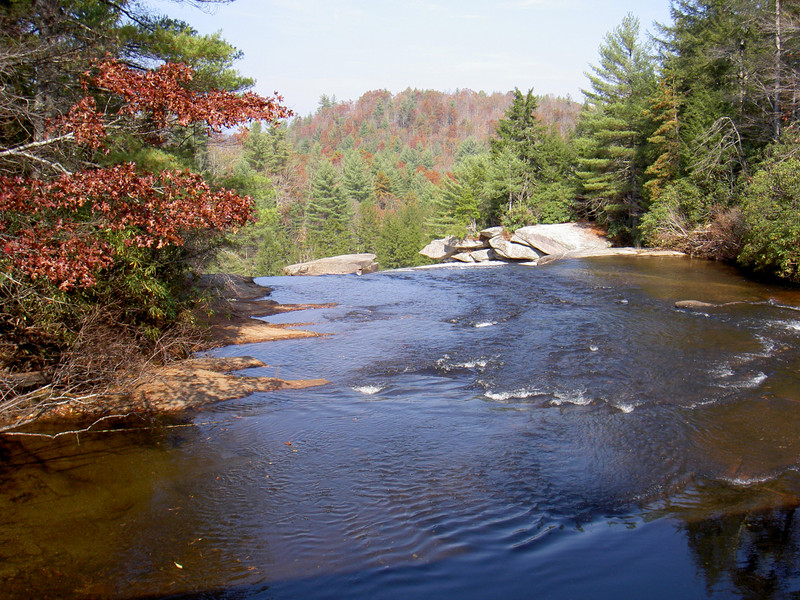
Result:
pixel 685 141
pixel 132 157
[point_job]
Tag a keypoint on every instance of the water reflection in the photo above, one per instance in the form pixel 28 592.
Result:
pixel 745 540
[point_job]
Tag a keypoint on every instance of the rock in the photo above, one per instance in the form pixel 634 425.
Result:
pixel 508 249
pixel 483 255
pixel 468 245
pixel 224 284
pixel 491 232
pixel 360 264
pixel 694 304
pixel 698 305
pixel 596 252
pixel 465 257
pixel 440 249
pixel 560 238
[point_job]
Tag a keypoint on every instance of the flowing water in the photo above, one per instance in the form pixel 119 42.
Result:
pixel 497 432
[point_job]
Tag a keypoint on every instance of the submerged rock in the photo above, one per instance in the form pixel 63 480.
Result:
pixel 345 264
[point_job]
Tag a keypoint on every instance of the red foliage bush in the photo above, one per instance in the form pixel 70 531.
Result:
pixel 60 229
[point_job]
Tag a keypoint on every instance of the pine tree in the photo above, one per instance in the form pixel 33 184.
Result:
pixel 665 139
pixel 357 183
pixel 457 204
pixel 615 130
pixel 328 215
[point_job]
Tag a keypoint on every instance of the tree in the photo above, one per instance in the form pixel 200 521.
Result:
pixel 66 229
pixel 770 206
pixel 614 128
pixel 665 139
pixel 86 235
pixel 527 160
pixel 401 236
pixel 458 203
pixel 328 215
pixel 357 182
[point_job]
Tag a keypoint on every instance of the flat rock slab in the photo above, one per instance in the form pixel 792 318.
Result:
pixel 508 249
pixel 196 383
pixel 345 264
pixel 561 237
pixel 596 252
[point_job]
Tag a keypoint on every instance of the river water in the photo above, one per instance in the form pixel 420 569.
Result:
pixel 500 432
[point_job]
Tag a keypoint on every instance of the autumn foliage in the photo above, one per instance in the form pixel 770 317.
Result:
pixel 67 229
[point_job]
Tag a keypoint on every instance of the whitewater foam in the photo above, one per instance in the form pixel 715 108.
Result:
pixel 746 481
pixel 578 398
pixel 754 381
pixel 625 407
pixel 484 324
pixel 443 363
pixel 512 395
pixel 369 390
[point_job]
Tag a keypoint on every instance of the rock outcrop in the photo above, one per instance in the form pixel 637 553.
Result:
pixel 346 264
pixel 440 249
pixel 561 238
pixel 513 251
pixel 534 244
pixel 527 244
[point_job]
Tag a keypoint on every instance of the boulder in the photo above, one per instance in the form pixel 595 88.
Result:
pixel 491 232
pixel 468 245
pixel 483 255
pixel 508 249
pixel 440 249
pixel 560 238
pixel 360 264
pixel 465 257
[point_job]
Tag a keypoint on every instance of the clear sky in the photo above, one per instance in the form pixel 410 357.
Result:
pixel 306 48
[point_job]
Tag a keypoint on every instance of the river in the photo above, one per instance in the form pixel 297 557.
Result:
pixel 492 432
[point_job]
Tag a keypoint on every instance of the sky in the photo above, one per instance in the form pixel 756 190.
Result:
pixel 306 48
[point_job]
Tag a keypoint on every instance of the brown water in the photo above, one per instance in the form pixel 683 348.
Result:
pixel 550 432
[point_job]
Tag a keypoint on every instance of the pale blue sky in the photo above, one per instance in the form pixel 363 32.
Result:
pixel 306 48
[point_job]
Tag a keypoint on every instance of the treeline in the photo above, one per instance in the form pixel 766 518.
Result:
pixel 686 141
pixel 372 175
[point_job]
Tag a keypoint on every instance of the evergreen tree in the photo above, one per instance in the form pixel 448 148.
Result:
pixel 266 151
pixel 615 130
pixel 328 215
pixel 357 181
pixel 516 159
pixel 457 204
pixel 401 237
pixel 527 160
pixel 665 139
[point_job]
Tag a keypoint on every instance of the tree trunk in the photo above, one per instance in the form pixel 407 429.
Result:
pixel 776 100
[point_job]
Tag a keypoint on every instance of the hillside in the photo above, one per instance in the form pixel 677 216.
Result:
pixel 362 175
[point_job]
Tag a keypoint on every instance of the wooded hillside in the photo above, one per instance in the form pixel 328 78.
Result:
pixel 367 175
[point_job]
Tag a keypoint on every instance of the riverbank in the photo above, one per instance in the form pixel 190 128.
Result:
pixel 235 304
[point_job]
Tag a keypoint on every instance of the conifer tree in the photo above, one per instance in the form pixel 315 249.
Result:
pixel 357 181
pixel 328 215
pixel 458 201
pixel 615 130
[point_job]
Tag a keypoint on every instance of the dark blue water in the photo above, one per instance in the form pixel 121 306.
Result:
pixel 503 432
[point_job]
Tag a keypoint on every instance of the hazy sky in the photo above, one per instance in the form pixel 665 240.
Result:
pixel 306 48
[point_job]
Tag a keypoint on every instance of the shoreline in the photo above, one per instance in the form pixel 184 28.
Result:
pixel 190 384
pixel 551 258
